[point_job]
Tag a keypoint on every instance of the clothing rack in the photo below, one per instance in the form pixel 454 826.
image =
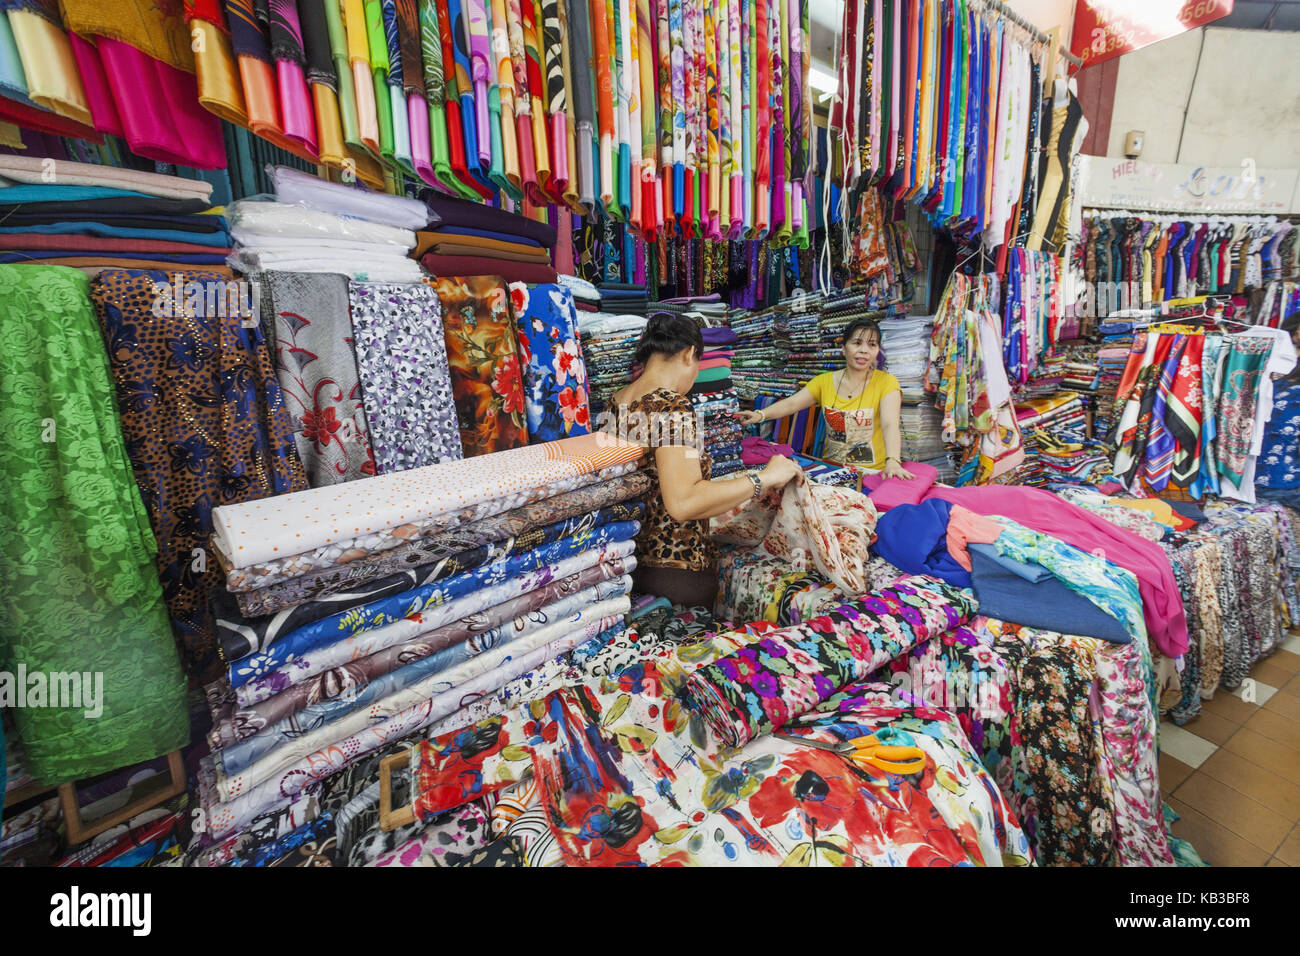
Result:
pixel 1006 12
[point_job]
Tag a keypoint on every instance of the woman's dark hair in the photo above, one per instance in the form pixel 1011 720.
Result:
pixel 668 334
pixel 856 326
pixel 868 325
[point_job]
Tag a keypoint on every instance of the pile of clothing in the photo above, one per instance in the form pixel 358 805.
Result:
pixel 98 217
pixel 470 239
pixel 371 610
pixel 318 226
pixel 1057 446
pixel 716 402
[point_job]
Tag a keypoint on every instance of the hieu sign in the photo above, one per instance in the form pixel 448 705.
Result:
pixel 1107 28
pixel 1159 187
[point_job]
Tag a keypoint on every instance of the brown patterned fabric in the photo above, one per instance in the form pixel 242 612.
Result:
pixel 204 425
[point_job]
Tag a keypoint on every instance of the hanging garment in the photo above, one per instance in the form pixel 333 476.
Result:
pixel 405 379
pixel 81 592
pixel 1244 362
pixel 317 368
pixel 485 371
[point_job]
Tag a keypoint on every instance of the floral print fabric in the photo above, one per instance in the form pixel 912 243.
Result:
pixel 555 372
pixel 789 672
pixel 810 525
pixel 776 802
pixel 402 358
pixel 315 359
pixel 425 595
pixel 609 487
pixel 486 378
pixel 205 425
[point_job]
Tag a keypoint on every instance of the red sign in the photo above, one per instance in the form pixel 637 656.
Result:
pixel 1107 28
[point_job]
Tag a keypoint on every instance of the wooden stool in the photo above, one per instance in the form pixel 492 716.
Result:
pixel 79 830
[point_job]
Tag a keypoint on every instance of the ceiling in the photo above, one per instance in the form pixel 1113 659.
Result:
pixel 1262 15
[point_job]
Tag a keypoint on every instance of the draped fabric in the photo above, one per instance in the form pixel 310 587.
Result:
pixel 317 368
pixel 486 379
pixel 205 425
pixel 402 361
pixel 555 371
pixel 81 592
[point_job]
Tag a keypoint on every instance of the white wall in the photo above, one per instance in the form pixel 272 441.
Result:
pixel 1245 100
pixel 1046 14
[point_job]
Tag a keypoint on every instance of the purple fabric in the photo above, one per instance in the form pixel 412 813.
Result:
pixel 713 337
pixel 444 230
pixel 473 215
pixel 1162 606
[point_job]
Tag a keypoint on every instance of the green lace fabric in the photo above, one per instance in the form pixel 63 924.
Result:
pixel 80 586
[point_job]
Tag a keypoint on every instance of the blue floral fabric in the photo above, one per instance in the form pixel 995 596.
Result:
pixel 1279 459
pixel 555 373
pixel 380 613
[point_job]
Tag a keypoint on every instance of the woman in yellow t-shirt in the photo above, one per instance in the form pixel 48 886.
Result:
pixel 860 402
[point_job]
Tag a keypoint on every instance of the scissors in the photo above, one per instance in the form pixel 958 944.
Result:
pixel 868 753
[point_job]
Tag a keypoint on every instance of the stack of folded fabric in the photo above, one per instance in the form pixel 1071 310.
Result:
pixel 470 239
pixel 609 343
pixel 1057 448
pixel 368 611
pixel 585 294
pixel 624 297
pixel 761 351
pixel 1046 379
pixel 906 344
pixel 99 217
pixel 921 430
pixel 319 226
pixel 1111 359
pixel 716 403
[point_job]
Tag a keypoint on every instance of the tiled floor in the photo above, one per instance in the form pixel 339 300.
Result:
pixel 1233 774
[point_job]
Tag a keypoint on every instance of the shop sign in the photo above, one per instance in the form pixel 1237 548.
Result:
pixel 1183 188
pixel 1107 28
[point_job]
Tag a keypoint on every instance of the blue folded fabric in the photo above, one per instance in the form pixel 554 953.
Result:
pixel 218 237
pixel 31 192
pixel 19 256
pixel 1029 594
pixel 914 538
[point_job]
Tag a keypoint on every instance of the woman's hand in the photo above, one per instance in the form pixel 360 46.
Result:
pixel 750 418
pixel 778 472
pixel 895 469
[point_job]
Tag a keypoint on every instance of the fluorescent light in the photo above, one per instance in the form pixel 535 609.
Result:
pixel 825 83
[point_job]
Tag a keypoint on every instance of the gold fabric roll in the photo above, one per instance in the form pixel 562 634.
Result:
pixel 220 90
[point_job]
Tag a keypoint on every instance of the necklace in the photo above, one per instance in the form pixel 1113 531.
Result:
pixel 858 394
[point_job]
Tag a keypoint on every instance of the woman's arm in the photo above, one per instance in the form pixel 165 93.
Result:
pixel 891 407
pixel 688 496
pixel 787 406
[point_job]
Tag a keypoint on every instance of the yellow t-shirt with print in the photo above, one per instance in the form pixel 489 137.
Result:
pixel 853 432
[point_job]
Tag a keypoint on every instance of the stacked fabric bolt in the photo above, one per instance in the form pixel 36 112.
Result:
pixel 921 431
pixel 608 346
pixel 1111 359
pixel 1046 379
pixel 1057 449
pixel 906 344
pixel 317 226
pixel 623 297
pixel 585 294
pixel 112 218
pixel 469 239
pixel 360 613
pixel 716 402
